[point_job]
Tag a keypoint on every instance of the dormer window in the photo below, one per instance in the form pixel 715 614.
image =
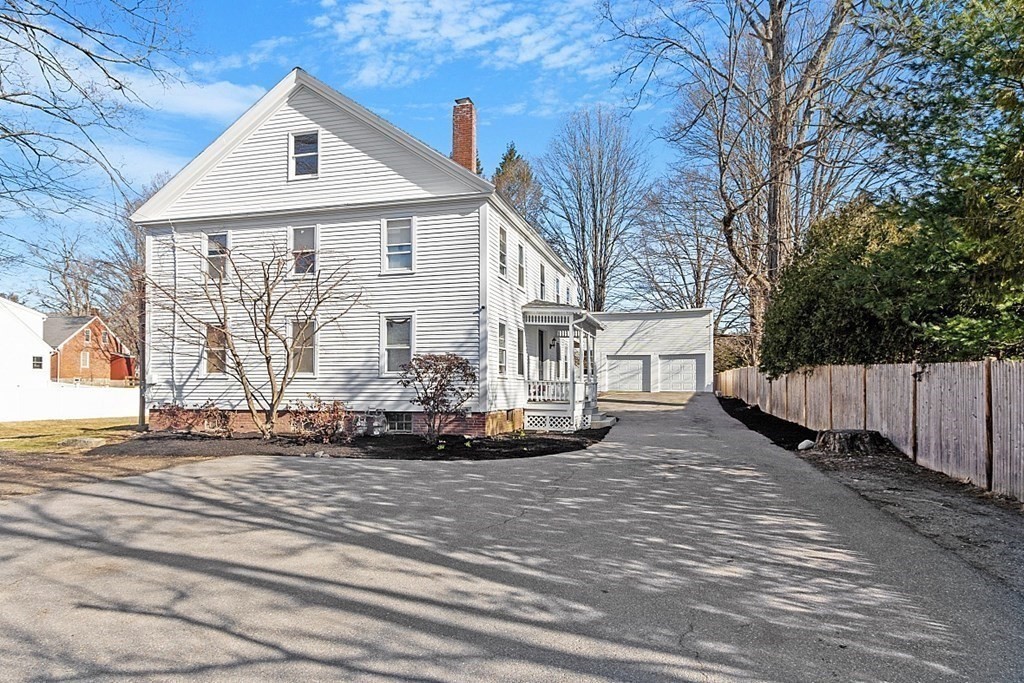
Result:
pixel 305 155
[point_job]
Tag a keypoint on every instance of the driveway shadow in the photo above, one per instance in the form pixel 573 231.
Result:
pixel 661 562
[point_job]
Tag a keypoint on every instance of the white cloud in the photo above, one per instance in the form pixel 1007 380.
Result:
pixel 218 101
pixel 260 52
pixel 140 162
pixel 395 42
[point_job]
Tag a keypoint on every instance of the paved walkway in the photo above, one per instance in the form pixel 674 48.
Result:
pixel 684 547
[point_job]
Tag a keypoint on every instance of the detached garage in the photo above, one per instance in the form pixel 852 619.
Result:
pixel 656 351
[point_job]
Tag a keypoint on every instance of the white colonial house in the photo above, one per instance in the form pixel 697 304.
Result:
pixel 439 261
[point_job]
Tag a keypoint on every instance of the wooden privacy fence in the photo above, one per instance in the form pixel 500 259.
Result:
pixel 963 419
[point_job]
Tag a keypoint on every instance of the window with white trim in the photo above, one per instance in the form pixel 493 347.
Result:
pixel 37 362
pixel 398 248
pixel 503 252
pixel 305 153
pixel 522 266
pixel 303 245
pixel 399 423
pixel 543 283
pixel 216 350
pixel 397 342
pixel 216 256
pixel 304 346
pixel 502 348
pixel 105 338
pixel 87 336
pixel 83 360
pixel 520 352
pixel 558 290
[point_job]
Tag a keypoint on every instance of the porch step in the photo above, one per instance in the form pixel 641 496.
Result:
pixel 600 420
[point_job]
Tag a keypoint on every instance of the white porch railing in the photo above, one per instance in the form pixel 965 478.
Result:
pixel 546 391
pixel 549 391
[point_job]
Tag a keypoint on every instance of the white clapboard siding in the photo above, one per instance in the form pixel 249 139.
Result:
pixel 443 293
pixel 657 334
pixel 505 301
pixel 357 165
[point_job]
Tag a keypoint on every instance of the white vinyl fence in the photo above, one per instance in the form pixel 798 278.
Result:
pixel 963 419
pixel 58 401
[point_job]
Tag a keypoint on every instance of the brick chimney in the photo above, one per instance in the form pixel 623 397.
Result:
pixel 464 133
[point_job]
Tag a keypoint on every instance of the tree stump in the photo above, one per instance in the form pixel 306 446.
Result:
pixel 851 441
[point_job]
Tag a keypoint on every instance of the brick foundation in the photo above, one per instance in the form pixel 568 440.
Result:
pixel 474 424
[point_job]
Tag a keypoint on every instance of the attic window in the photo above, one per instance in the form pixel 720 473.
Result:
pixel 305 155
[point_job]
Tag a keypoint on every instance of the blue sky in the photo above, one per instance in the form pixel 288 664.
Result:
pixel 525 64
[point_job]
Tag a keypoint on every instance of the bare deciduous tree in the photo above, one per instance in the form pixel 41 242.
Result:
pixel 66 85
pixel 764 89
pixel 250 318
pixel 121 270
pixel 594 180
pixel 70 287
pixel 679 258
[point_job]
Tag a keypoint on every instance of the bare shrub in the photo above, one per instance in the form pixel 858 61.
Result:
pixel 321 421
pixel 214 420
pixel 179 418
pixel 444 384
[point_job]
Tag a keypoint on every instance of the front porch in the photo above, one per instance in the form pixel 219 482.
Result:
pixel 561 379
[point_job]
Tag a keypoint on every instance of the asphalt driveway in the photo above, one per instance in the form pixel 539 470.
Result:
pixel 684 547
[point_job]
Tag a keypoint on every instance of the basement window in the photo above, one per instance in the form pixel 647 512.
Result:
pixel 399 423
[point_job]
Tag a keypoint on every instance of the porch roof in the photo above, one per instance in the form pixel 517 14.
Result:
pixel 548 313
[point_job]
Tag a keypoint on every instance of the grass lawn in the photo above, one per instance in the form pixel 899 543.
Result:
pixel 31 460
pixel 43 436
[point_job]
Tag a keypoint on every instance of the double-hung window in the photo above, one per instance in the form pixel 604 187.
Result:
pixel 398 254
pixel 520 352
pixel 304 346
pixel 305 155
pixel 83 360
pixel 502 348
pixel 397 342
pixel 216 350
pixel 105 338
pixel 558 290
pixel 543 283
pixel 37 362
pixel 216 256
pixel 303 250
pixel 87 337
pixel 503 252
pixel 522 266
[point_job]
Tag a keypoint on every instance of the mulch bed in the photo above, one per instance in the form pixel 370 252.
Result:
pixel 788 435
pixel 985 530
pixel 390 447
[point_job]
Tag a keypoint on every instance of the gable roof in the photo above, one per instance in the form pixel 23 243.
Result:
pixel 248 122
pixel 57 329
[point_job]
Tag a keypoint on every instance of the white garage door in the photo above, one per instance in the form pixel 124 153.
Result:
pixel 626 373
pixel 679 373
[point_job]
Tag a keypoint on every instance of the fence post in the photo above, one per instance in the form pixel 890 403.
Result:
pixel 988 424
pixel 913 410
pixel 829 393
pixel 803 420
pixel 864 392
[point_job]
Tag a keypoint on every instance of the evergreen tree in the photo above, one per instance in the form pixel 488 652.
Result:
pixel 515 181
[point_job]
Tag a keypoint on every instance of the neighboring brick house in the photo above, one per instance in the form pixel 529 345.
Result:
pixel 85 349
